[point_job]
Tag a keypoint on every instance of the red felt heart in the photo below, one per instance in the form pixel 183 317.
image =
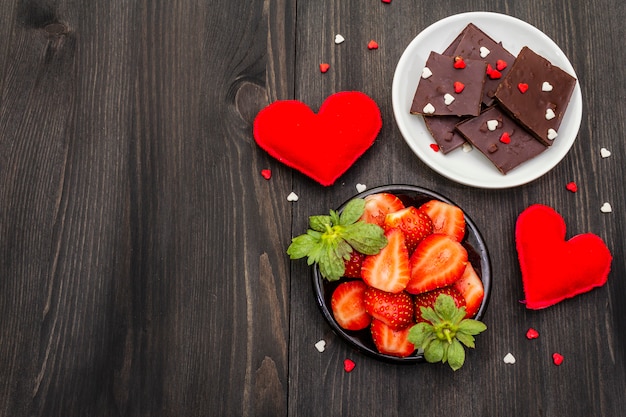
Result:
pixel 324 145
pixel 554 269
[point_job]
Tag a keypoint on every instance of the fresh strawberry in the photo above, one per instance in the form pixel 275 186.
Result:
pixel 437 262
pixel 377 206
pixel 353 265
pixel 395 310
pixel 471 288
pixel 388 270
pixel 414 223
pixel 446 218
pixel 389 341
pixel 348 305
pixel 428 299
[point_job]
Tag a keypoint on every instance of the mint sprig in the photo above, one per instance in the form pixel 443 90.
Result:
pixel 447 330
pixel 330 239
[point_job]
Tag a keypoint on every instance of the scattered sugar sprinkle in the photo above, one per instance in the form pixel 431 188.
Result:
pixel 467 147
pixel 348 365
pixel 492 124
pixel 532 334
pixel 605 153
pixel 372 44
pixel 361 187
pixel 429 109
pixel 426 72
pixel 484 52
pixel 552 134
pixel 550 114
pixel 557 358
pixel 448 99
pixel 509 359
pixel 292 197
pixel 320 346
pixel 339 39
pixel 606 208
pixel 571 186
pixel 266 173
pixel 546 86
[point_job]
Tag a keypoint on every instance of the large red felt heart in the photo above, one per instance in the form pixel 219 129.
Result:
pixel 554 269
pixel 324 145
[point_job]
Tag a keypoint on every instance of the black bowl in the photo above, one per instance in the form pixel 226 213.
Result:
pixel 477 253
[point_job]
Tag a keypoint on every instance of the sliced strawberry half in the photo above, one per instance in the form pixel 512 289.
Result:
pixel 377 206
pixel 471 288
pixel 348 305
pixel 437 262
pixel 388 270
pixel 353 265
pixel 428 299
pixel 395 310
pixel 447 218
pixel 389 341
pixel 414 223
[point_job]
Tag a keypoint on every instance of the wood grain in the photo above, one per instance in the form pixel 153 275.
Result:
pixel 142 255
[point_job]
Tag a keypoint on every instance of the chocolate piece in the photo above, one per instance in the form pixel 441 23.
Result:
pixel 435 93
pixel 442 129
pixel 476 44
pixel 536 94
pixel 481 132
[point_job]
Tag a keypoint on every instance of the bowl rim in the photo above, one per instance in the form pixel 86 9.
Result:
pixel 481 250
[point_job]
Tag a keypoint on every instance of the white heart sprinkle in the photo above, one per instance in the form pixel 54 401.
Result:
pixel 492 124
pixel 550 114
pixel 426 72
pixel 484 52
pixel 552 134
pixel 606 208
pixel 448 99
pixel 292 197
pixel 509 358
pixel 429 109
pixel 361 187
pixel 546 86
pixel 605 153
pixel 467 147
pixel 339 39
pixel 320 346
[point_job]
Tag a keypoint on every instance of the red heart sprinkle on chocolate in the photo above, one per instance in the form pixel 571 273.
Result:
pixel 495 74
pixel 324 67
pixel 505 138
pixel 458 86
pixel 571 186
pixel 434 147
pixel 522 87
pixel 348 365
pixel 459 63
pixel 372 45
pixel 532 334
pixel 500 65
pixel 266 173
pixel 557 358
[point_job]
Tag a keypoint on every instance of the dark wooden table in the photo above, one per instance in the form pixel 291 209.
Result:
pixel 142 255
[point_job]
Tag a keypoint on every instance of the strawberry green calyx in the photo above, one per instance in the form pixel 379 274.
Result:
pixel 445 332
pixel 330 239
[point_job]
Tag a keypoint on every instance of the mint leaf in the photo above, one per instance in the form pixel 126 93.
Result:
pixel 456 355
pixel 352 212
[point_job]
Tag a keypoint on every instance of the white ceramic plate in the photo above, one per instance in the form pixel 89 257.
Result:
pixel 473 168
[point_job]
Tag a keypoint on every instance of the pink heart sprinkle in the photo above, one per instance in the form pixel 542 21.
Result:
pixel 557 358
pixel 348 365
pixel 266 173
pixel 372 45
pixel 571 186
pixel 532 334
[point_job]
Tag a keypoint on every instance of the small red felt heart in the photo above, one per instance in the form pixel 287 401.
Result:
pixel 324 145
pixel 554 269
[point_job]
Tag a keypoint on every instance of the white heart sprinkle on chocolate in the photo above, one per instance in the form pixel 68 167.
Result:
pixel 492 124
pixel 429 109
pixel 546 86
pixel 605 153
pixel 448 99
pixel 550 114
pixel 426 72
pixel 552 134
pixel 467 147
pixel 484 52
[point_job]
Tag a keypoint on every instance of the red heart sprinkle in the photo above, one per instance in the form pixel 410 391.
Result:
pixel 505 138
pixel 532 334
pixel 324 67
pixel 386 1
pixel 495 74
pixel 459 63
pixel 266 173
pixel 522 87
pixel 434 147
pixel 489 69
pixel 372 45
pixel 571 186
pixel 458 86
pixel 557 358
pixel 348 365
pixel 500 65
